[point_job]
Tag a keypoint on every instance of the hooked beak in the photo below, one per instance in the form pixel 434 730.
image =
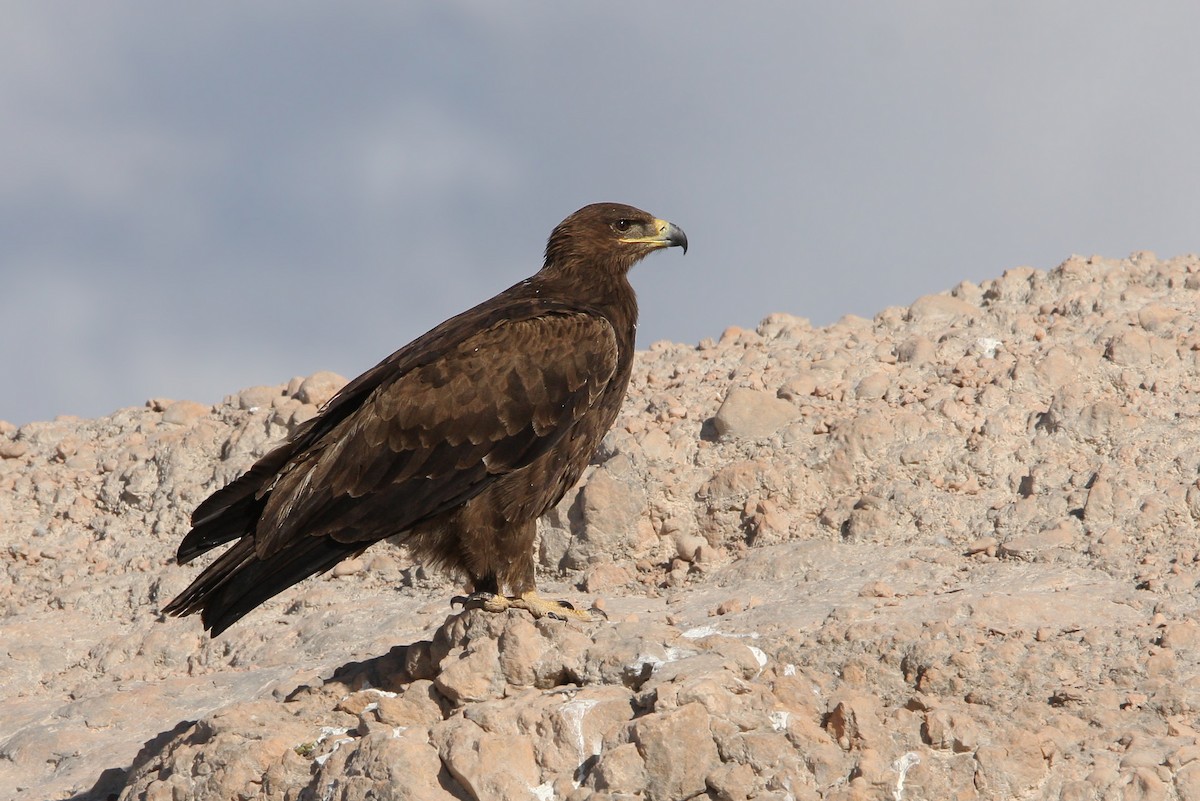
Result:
pixel 669 235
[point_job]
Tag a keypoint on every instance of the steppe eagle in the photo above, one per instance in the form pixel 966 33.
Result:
pixel 455 444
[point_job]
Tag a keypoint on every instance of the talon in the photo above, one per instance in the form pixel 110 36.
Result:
pixel 481 600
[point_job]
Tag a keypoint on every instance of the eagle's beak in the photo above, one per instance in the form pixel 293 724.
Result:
pixel 669 235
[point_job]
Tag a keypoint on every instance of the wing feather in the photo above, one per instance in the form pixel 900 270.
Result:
pixel 436 435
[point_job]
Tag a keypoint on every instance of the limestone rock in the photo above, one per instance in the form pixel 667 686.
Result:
pixel 949 547
pixel 318 388
pixel 677 750
pixel 751 414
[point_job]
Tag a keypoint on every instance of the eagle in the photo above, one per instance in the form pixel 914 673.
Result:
pixel 453 445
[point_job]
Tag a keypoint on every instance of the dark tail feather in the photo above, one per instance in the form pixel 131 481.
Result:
pixel 233 510
pixel 228 524
pixel 244 486
pixel 238 580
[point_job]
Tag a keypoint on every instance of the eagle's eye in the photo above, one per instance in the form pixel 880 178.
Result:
pixel 623 225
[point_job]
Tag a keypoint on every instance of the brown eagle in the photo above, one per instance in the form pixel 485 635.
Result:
pixel 455 444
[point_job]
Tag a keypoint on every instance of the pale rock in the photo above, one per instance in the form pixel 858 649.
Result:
pixel 419 663
pixel 656 444
pixel 751 414
pixel 1055 369
pixel 471 673
pixel 739 659
pixel 489 766
pixel 319 387
pixel 1009 772
pixel 302 413
pixel 1063 535
pixel 690 547
pixel 609 506
pixel 1145 785
pixel 1192 498
pixel 1101 505
pixel 916 350
pixel 519 649
pixel 732 484
pixel 940 310
pixel 620 770
pixel 284 410
pixel 731 782
pixel 1181 635
pixel 184 412
pixel 387 768
pixel 873 769
pixel 1014 285
pixel 827 763
pixel 678 751
pixel 1187 782
pixel 868 435
pixel 783 326
pixel 1142 758
pixel 873 386
pixel 1163 664
pixel 419 705
pixel 854 722
pixel 572 728
pixel 552 545
pixel 982 545
pixel 1154 317
pixel 852 323
pixel 801 385
pixel 260 397
pixel 349 567
pixel 606 576
pixel 1100 421
pixel 951 731
pixel 1130 349
pixel 625 655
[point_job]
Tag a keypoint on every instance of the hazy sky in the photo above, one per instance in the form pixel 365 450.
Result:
pixel 199 198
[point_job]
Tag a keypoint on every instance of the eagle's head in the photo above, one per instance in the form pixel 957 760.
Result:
pixel 609 236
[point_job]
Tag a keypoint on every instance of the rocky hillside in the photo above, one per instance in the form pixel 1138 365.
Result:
pixel 947 553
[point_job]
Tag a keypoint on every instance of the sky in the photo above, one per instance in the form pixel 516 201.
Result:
pixel 199 198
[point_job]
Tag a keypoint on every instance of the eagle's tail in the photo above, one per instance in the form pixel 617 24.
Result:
pixel 233 510
pixel 239 580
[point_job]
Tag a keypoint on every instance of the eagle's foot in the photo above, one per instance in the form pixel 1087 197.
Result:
pixel 530 601
pixel 488 601
pixel 541 607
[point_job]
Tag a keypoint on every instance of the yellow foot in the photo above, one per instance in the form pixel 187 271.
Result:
pixel 530 601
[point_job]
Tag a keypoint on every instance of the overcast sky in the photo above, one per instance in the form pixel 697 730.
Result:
pixel 196 198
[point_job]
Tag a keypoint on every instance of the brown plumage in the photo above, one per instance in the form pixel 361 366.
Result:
pixel 455 444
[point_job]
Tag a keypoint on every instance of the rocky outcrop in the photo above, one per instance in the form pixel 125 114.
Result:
pixel 950 552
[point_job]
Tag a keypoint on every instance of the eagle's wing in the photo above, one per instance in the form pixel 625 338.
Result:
pixel 437 434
